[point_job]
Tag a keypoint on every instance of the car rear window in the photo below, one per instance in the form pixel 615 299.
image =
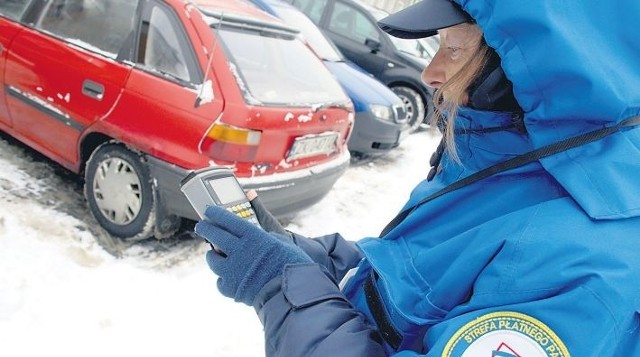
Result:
pixel 278 70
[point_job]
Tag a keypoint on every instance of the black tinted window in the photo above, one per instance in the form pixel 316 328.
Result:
pixel 99 25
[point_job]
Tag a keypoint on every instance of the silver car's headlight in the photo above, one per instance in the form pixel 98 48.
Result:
pixel 381 111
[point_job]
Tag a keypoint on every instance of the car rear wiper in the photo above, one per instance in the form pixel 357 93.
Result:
pixel 264 28
pixel 333 105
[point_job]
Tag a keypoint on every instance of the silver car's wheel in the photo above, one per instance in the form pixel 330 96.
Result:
pixel 119 192
pixel 428 116
pixel 414 105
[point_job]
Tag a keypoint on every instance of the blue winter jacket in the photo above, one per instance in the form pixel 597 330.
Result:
pixel 540 260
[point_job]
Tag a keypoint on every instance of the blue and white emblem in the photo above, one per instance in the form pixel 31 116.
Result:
pixel 505 334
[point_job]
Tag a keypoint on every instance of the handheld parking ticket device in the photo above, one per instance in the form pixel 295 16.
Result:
pixel 217 186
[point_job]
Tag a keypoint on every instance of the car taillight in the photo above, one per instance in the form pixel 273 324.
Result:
pixel 230 143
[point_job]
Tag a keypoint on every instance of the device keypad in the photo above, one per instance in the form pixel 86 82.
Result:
pixel 244 210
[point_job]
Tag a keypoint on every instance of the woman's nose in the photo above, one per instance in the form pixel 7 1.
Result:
pixel 433 74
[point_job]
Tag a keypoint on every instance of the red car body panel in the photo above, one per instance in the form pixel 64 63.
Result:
pixel 8 31
pixel 53 81
pixel 63 98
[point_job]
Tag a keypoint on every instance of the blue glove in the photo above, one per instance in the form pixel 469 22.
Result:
pixel 249 258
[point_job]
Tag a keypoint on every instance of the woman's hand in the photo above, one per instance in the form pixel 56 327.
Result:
pixel 250 257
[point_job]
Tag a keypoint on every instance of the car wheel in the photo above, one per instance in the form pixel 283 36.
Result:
pixel 429 108
pixel 414 105
pixel 119 192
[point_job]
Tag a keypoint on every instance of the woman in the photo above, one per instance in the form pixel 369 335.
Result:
pixel 521 242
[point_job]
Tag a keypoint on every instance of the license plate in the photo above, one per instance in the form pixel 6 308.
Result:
pixel 312 145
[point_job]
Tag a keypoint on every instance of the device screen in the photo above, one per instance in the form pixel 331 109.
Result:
pixel 227 189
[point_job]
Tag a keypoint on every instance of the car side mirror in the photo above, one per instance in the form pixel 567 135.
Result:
pixel 372 44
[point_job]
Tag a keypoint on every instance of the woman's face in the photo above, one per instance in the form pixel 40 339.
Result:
pixel 457 44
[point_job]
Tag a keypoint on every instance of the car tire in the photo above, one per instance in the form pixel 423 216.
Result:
pixel 414 105
pixel 429 108
pixel 119 192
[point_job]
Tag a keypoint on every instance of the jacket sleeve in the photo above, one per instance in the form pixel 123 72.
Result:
pixel 336 254
pixel 305 314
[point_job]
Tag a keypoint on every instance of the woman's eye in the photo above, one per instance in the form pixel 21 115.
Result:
pixel 454 52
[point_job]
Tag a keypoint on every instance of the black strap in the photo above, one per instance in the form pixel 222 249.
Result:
pixel 517 161
pixel 379 313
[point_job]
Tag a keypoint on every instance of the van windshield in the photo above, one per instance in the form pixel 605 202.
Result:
pixel 278 70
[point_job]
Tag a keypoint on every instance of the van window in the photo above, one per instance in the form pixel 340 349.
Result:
pixel 100 26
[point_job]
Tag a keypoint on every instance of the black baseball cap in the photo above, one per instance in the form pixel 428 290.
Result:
pixel 424 19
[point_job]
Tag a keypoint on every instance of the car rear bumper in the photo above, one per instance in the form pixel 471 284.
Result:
pixel 284 194
pixel 372 135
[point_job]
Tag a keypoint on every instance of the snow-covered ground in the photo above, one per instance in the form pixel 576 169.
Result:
pixel 66 291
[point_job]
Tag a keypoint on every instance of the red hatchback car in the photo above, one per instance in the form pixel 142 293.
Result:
pixel 137 94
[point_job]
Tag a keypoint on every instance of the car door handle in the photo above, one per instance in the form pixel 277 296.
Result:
pixel 93 89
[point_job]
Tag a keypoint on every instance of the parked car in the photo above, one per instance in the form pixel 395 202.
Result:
pixel 381 118
pixel 353 27
pixel 135 95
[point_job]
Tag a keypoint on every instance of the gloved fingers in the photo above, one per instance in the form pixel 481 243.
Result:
pixel 218 264
pixel 220 238
pixel 226 289
pixel 229 221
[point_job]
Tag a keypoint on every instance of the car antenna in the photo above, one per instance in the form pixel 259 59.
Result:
pixel 208 69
